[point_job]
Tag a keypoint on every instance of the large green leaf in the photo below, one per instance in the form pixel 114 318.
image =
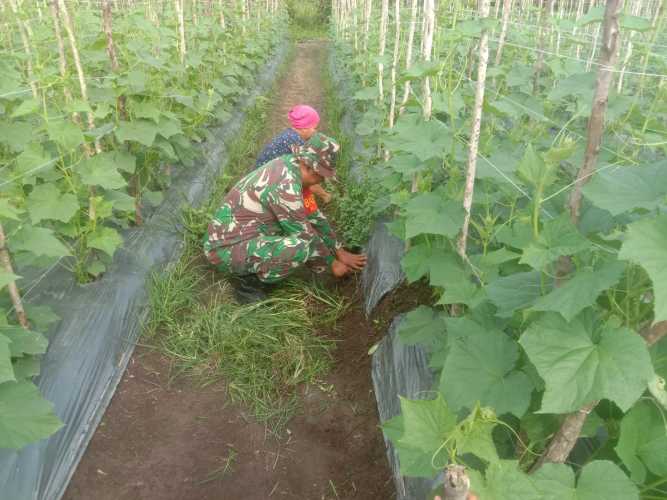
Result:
pixel 141 131
pixel 580 291
pixel 426 425
pixel 25 416
pixel 26 367
pixel 46 202
pixel 481 367
pixel 6 368
pixel 450 273
pixel 9 211
pixel 604 479
pixel 475 435
pixel 38 241
pixel 646 244
pixel 429 213
pixel 422 326
pixel 592 360
pixel 33 161
pixel 24 341
pixel 65 133
pixel 15 134
pixel 27 107
pixel 534 170
pixel 416 262
pixel 413 462
pixel 643 441
pixel 506 481
pixel 169 127
pixel 424 139
pixel 598 480
pixel 106 239
pixel 146 109
pixel 102 170
pixel 7 278
pixel 636 23
pixel 559 237
pixel 516 291
pixel 625 188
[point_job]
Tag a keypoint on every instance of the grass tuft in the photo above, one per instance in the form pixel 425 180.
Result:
pixel 263 351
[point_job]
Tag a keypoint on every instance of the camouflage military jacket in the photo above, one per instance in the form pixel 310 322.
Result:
pixel 268 201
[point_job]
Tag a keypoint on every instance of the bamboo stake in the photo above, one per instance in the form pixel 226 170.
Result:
pixel 62 66
pixel 475 131
pixel 429 29
pixel 540 45
pixel 69 28
pixel 636 7
pixel 23 31
pixel 580 12
pixel 222 14
pixel 507 7
pixel 178 5
pixel 14 293
pixel 367 22
pixel 394 63
pixel 608 59
pixel 562 443
pixel 244 15
pixel 408 55
pixel 456 483
pixel 383 42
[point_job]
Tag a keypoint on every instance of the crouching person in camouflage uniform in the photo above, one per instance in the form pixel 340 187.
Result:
pixel 263 232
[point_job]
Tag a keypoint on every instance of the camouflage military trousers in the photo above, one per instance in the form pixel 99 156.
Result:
pixel 271 257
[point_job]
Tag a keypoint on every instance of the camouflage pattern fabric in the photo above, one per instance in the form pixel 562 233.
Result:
pixel 319 153
pixel 262 227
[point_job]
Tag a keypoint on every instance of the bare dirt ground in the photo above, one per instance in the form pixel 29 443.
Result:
pixel 173 440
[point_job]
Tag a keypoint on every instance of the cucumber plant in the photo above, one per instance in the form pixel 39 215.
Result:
pixel 550 321
pixel 94 125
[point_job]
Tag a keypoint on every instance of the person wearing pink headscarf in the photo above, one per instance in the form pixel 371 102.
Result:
pixel 304 120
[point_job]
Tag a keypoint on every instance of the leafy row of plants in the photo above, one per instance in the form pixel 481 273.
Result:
pixel 94 125
pixel 543 320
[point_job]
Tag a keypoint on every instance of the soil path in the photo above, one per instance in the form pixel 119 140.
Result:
pixel 165 440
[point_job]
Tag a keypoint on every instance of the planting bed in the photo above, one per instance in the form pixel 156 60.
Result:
pixel 169 438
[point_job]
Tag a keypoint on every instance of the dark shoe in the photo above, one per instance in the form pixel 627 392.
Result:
pixel 249 289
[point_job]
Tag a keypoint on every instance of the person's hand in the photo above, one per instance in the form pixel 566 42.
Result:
pixel 319 191
pixel 338 269
pixel 351 260
pixel 326 197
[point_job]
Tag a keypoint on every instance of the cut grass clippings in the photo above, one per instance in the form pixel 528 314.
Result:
pixel 264 352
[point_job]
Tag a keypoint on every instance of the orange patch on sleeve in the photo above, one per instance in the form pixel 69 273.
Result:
pixel 309 202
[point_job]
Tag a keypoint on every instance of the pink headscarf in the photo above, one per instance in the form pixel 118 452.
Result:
pixel 303 116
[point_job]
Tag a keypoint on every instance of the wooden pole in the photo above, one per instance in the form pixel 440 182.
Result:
pixel 408 54
pixel 384 15
pixel 561 445
pixel 14 294
pixel 394 63
pixel 23 31
pixel 507 8
pixel 484 7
